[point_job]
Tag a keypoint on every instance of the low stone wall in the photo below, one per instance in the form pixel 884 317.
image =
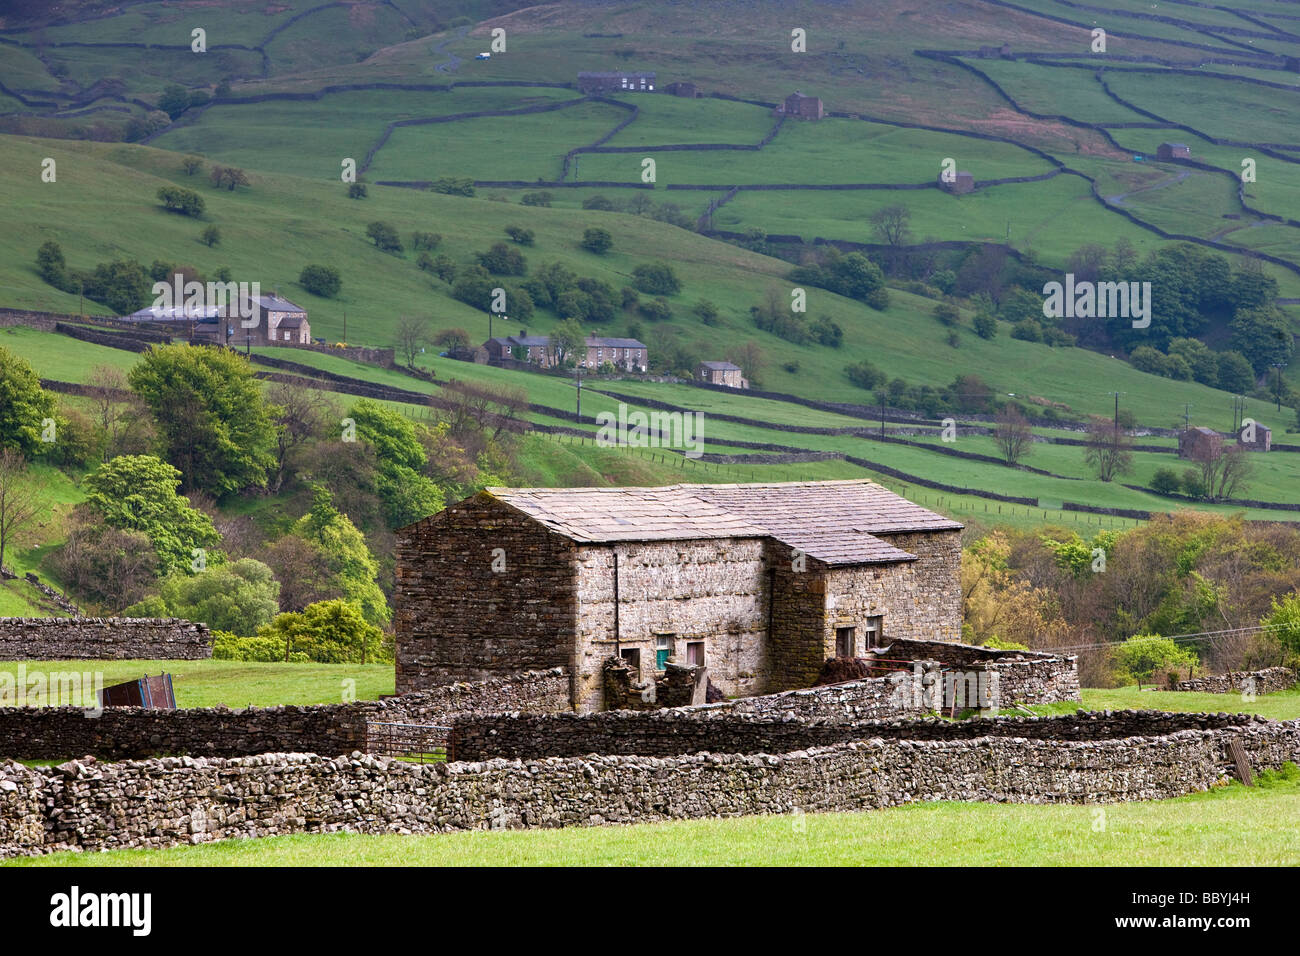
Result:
pixel 1266 681
pixel 102 638
pixel 701 730
pixel 172 801
pixel 118 733
pixel 537 692
pixel 1025 677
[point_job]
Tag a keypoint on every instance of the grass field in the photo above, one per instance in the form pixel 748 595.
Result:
pixel 1231 825
pixel 235 684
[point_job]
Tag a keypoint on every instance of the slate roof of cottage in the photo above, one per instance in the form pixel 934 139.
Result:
pixel 835 522
pixel 273 303
pixel 721 366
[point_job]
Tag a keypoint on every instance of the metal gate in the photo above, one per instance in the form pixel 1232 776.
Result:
pixel 426 743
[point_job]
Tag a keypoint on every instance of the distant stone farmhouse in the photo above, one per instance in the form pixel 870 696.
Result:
pixel 1170 151
pixel 801 107
pixel 761 583
pixel 626 355
pixel 1199 443
pixel 616 82
pixel 277 322
pixel 722 373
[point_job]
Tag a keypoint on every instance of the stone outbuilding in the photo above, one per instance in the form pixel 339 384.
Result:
pixel 1255 437
pixel 1167 152
pixel 722 373
pixel 963 182
pixel 1199 443
pixel 801 107
pixel 760 583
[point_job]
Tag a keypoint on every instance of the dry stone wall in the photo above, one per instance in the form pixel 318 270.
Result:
pixel 102 638
pixel 118 733
pixel 1266 681
pixel 184 800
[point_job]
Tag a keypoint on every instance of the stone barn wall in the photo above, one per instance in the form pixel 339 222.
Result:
pixel 711 591
pixel 183 800
pixel 458 619
pixel 102 638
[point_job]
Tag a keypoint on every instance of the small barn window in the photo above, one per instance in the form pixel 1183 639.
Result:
pixel 844 640
pixel 632 656
pixel 695 653
pixel 663 650
pixel 875 632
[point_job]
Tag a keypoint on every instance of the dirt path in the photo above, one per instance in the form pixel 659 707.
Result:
pixel 449 65
pixel 1118 198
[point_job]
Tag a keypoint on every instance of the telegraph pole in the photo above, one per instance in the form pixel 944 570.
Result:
pixel 1277 388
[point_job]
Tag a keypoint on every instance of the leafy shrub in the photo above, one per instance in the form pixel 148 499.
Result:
pixel 865 375
pixel 323 281
pixel 657 278
pixel 597 240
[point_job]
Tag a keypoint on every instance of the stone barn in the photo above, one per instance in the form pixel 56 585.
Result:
pixel 1167 152
pixel 1255 437
pixel 801 107
pixel 761 583
pixel 722 373
pixel 1199 443
pixel 961 184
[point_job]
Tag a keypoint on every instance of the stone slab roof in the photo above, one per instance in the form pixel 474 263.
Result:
pixel 835 522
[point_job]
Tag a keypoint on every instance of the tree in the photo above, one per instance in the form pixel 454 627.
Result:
pixel 105 565
pixel 238 597
pixel 1224 471
pixel 1143 654
pixel 184 201
pixel 384 236
pixel 352 568
pixel 865 375
pixel 1165 481
pixel 1263 335
pixel 228 177
pixel 501 260
pixel 985 325
pixel 598 203
pixel 751 360
pixel 192 165
pixel 19 504
pixel 1109 449
pixel 597 240
pixel 706 310
pixel 320 280
pixel 567 343
pixel 174 101
pixel 1235 373
pixel 453 185
pixel 138 493
pixel 891 224
pixel 451 339
pixel 214 423
pixel 330 632
pixel 302 413
pixel 123 420
pixel 947 314
pixel 211 236
pixel 425 241
pixel 52 267
pixel 357 191
pixel 407 494
pixel 520 235
pixel 412 333
pixel 536 199
pixel 123 285
pixel 24 405
pixel 656 278
pixel 1012 435
pixel 1283 622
